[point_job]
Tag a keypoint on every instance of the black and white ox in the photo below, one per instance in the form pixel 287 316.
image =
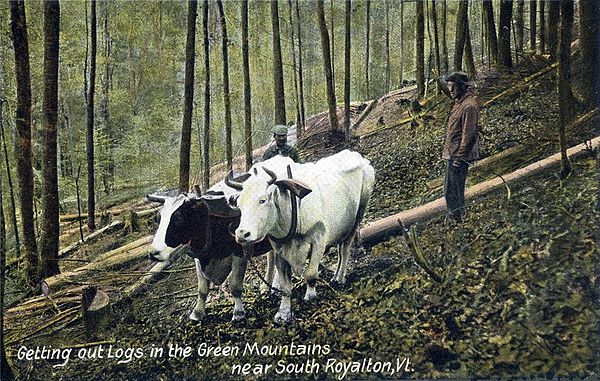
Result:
pixel 334 193
pixel 204 223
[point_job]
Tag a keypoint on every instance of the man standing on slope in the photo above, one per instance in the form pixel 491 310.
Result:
pixel 461 146
pixel 281 147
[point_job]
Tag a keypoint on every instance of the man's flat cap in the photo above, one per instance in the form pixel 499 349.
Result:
pixel 279 129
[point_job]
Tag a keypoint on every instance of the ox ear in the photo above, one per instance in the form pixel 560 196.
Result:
pixel 296 187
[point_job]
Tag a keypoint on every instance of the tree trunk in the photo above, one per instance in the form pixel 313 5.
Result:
pixel 188 102
pixel 5 369
pixel 469 59
pixel 13 207
pixel 444 49
pixel 542 26
pixel 520 25
pixel 420 49
pixel 332 40
pixel 300 132
pixel 461 34
pixel 278 89
pixel 504 54
pixel 589 40
pixel 401 69
pixel 438 65
pixel 387 46
pixel 206 132
pixel 91 221
pixel 226 97
pixel 553 23
pixel 532 24
pixel 347 47
pixel 565 92
pixel 294 66
pixel 367 46
pixel 51 232
pixel 109 171
pixel 331 102
pixel 23 146
pixel 247 93
pixel 491 30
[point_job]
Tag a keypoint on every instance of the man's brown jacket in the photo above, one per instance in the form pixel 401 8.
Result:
pixel 462 140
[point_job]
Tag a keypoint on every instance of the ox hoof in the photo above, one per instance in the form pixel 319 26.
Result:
pixel 238 316
pixel 197 316
pixel 283 318
pixel 310 295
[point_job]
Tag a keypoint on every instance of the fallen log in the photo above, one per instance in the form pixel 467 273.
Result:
pixel 365 113
pixel 388 226
pixel 115 225
pixel 115 258
pixel 154 273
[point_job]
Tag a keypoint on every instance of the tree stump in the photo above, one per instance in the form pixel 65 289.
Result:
pixel 95 309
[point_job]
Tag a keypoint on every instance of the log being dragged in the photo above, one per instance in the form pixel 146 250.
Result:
pixel 379 230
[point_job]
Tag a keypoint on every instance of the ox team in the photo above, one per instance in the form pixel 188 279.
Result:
pixel 320 206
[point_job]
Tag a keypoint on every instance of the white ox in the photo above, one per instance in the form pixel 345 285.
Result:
pixel 183 220
pixel 334 191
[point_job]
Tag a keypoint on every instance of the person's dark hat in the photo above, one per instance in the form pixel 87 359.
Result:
pixel 279 129
pixel 459 77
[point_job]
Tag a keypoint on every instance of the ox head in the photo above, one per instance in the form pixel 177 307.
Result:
pixel 181 218
pixel 259 201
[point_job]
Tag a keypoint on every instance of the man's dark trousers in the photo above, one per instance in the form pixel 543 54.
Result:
pixel 454 189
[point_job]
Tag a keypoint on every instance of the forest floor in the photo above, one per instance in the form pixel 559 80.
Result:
pixel 517 300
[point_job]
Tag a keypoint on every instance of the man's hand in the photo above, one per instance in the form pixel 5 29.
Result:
pixel 456 163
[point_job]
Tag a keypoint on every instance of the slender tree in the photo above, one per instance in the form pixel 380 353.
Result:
pixel 347 47
pixel 91 202
pixel 247 93
pixel 542 26
pixel 444 49
pixel 461 34
pixel 520 25
pixel 294 66
pixel 332 105
pixel 387 47
pixel 188 102
pixel 367 45
pixel 401 68
pixel 278 88
pixel 420 49
pixel 109 165
pixel 300 73
pixel 589 40
pixel 332 39
pixel 206 132
pixel 492 41
pixel 438 65
pixel 553 23
pixel 51 232
pixel 532 24
pixel 469 59
pixel 6 372
pixel 23 146
pixel 565 92
pixel 13 207
pixel 226 97
pixel 504 53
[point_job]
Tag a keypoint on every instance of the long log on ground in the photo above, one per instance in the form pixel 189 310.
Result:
pixel 113 212
pixel 119 257
pixel 154 273
pixel 365 113
pixel 380 229
pixel 115 225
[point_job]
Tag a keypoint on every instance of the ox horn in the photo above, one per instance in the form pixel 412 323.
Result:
pixel 230 182
pixel 272 174
pixel 156 198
